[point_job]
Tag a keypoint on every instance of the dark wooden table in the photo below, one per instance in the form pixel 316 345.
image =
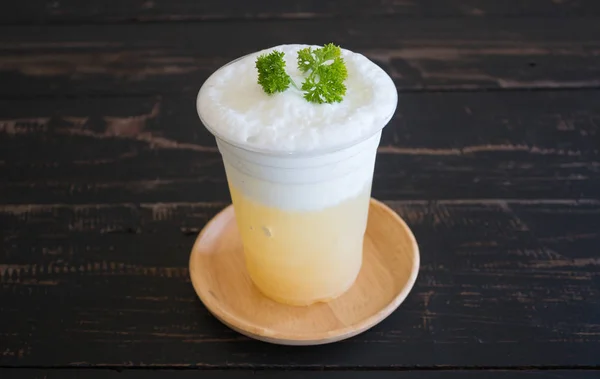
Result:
pixel 107 175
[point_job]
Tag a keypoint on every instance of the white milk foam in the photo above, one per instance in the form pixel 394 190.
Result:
pixel 301 183
pixel 234 106
pixel 283 151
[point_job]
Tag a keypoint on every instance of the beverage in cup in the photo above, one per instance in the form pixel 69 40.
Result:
pixel 299 155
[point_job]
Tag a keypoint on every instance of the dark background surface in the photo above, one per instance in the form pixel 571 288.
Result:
pixel 493 159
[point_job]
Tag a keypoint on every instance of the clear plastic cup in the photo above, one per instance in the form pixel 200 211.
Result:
pixel 301 216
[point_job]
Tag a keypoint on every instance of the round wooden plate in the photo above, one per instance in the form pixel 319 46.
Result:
pixel 389 270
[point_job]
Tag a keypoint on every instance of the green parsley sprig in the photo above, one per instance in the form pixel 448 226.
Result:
pixel 326 74
pixel 325 69
pixel 271 72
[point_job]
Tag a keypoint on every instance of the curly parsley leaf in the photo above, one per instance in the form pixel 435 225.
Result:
pixel 326 74
pixel 271 72
pixel 324 66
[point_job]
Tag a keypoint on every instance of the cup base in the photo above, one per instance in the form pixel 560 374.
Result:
pixel 294 303
pixel 388 273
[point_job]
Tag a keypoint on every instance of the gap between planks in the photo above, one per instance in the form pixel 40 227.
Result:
pixel 210 367
pixel 22 208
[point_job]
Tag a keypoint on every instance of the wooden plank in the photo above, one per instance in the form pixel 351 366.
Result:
pixel 501 284
pixel 420 54
pixel 438 146
pixel 97 11
pixel 279 374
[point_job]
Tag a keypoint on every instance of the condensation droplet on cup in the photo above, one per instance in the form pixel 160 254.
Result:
pixel 267 231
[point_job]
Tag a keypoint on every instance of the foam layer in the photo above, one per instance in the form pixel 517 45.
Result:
pixel 301 183
pixel 234 107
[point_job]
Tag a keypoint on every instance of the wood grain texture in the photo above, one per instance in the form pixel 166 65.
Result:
pixel 106 177
pixel 102 11
pixel 278 374
pixel 419 54
pixel 390 264
pixel 438 146
pixel 502 284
